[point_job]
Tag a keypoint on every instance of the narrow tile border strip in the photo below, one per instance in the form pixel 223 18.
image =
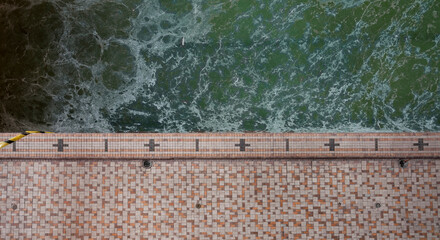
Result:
pixel 223 146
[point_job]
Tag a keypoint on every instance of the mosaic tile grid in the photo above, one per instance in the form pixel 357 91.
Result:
pixel 219 199
pixel 224 145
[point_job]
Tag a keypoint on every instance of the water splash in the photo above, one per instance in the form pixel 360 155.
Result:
pixel 87 66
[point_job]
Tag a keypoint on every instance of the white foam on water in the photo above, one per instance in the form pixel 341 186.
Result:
pixel 344 3
pixel 93 109
pixel 220 83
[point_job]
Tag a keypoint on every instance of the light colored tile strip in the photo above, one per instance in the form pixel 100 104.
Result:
pixel 224 145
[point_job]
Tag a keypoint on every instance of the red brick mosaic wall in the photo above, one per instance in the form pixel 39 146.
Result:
pixel 219 199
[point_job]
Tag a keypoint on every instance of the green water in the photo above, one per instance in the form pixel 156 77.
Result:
pixel 184 66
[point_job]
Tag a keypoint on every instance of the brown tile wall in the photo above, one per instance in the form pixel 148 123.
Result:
pixel 261 199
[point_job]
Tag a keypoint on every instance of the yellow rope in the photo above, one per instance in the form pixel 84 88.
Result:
pixel 18 137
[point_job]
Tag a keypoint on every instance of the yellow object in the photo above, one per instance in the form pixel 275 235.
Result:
pixel 18 137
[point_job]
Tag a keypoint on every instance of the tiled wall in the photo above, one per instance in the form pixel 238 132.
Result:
pixel 219 199
pixel 223 145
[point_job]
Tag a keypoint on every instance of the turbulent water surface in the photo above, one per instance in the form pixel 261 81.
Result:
pixel 219 65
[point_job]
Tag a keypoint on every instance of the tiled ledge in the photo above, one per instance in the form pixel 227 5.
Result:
pixel 222 145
